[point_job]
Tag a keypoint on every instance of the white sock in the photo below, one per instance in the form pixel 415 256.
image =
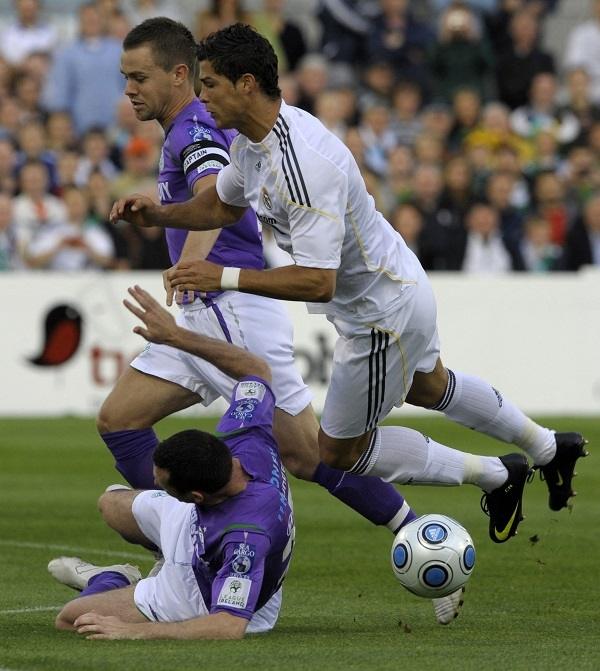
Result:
pixel 398 454
pixel 474 403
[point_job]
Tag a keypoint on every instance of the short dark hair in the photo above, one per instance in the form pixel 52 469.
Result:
pixel 171 42
pixel 195 461
pixel 239 49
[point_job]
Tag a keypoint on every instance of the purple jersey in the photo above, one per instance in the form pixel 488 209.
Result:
pixel 194 148
pixel 242 547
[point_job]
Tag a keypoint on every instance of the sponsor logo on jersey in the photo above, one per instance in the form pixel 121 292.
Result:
pixel 267 200
pixel 269 221
pixel 250 389
pixel 199 132
pixel 235 592
pixel 244 409
pixel 244 557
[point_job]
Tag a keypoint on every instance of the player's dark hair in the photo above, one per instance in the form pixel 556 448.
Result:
pixel 238 50
pixel 195 460
pixel 171 42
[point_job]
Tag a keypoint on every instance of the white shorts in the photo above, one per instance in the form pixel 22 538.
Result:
pixel 258 324
pixel 173 594
pixel 374 364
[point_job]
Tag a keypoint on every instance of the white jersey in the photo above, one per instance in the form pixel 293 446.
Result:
pixel 304 184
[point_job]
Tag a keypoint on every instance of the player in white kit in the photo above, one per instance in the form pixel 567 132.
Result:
pixel 349 264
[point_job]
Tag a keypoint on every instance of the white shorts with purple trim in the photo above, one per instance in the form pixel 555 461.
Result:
pixel 260 325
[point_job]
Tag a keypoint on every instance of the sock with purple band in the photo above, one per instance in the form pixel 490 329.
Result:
pixel 371 497
pixel 105 581
pixel 133 450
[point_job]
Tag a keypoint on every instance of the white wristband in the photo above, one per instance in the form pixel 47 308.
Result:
pixel 230 278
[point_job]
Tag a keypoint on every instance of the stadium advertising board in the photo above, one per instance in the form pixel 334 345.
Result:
pixel 67 337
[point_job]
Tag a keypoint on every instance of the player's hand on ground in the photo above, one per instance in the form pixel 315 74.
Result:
pixel 106 627
pixel 195 275
pixel 160 325
pixel 136 209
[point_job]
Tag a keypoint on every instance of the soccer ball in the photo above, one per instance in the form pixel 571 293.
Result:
pixel 433 556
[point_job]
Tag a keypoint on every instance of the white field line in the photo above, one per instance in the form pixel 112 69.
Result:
pixel 32 609
pixel 74 549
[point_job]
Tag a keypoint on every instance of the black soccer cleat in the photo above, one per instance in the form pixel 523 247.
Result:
pixel 504 505
pixel 559 472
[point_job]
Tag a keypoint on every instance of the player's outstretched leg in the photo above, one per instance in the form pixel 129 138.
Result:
pixel 91 579
pixel 402 455
pixel 474 403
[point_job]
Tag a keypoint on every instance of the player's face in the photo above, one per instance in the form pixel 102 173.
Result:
pixel 221 97
pixel 148 86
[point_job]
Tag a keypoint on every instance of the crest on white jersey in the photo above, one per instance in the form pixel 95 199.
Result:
pixel 267 200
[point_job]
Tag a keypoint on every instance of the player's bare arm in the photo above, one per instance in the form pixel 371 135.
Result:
pixel 203 212
pixel 217 626
pixel 160 327
pixel 293 283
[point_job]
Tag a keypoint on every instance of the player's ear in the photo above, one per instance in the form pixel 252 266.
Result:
pixel 197 497
pixel 248 83
pixel 181 73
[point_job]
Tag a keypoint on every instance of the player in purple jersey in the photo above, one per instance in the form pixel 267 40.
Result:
pixel 223 521
pixel 158 63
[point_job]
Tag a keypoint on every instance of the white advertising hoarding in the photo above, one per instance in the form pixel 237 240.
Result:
pixel 65 338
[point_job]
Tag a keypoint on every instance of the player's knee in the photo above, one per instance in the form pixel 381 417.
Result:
pixel 300 468
pixel 428 389
pixel 334 455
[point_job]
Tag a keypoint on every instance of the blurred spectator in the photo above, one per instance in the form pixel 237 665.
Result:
pixel 67 164
pixel 542 113
pixel 139 169
pixel 429 149
pixel 495 131
pixel 140 10
pixel 32 140
pixel 85 77
pixel 460 57
pixel 312 77
pixel 95 157
pixel 521 60
pixel 331 110
pixel 397 38
pixel 408 221
pixel 377 85
pixel 74 243
pixel 581 173
pixel 457 195
pixel 60 132
pixel 344 27
pixel 437 120
pixel 484 249
pixel 582 246
pixel 406 103
pixel 583 49
pixel 539 253
pixel 550 201
pixel 9 257
pixel 286 37
pixel 35 207
pixel 378 137
pixel 466 106
pixel 220 13
pixel 357 148
pixel 577 98
pixel 499 194
pixel 37 65
pixel 28 90
pixel 398 178
pixel 27 33
pixel 10 117
pixel 547 155
pixel 8 166
pixel 6 75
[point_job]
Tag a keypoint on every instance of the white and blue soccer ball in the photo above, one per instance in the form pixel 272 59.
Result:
pixel 433 556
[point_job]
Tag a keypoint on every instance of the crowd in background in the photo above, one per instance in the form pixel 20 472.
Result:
pixel 481 148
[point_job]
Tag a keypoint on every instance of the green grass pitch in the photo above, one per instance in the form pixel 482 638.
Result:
pixel 532 603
